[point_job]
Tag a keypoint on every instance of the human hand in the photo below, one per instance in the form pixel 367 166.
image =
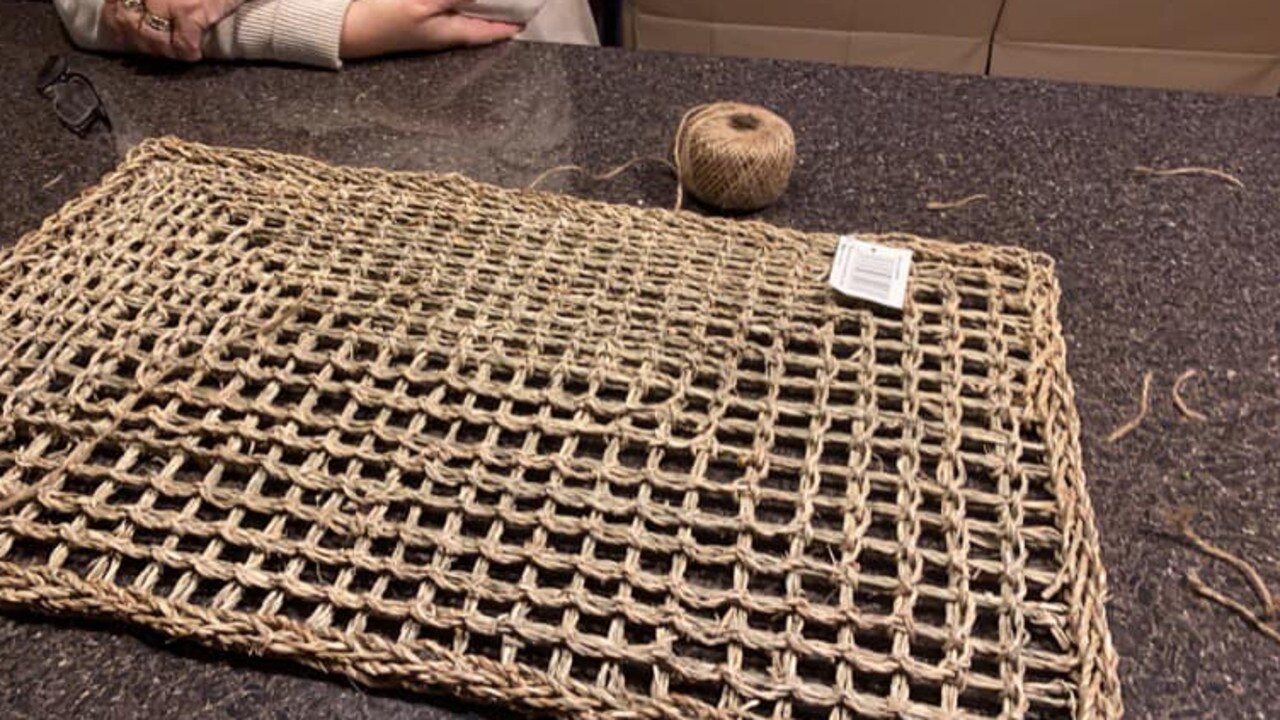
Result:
pixel 166 28
pixel 379 27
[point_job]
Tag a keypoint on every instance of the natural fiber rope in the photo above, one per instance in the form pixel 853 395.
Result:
pixel 1186 410
pixel 1181 522
pixel 1208 172
pixel 1204 590
pixel 1143 406
pixel 581 459
pixel 937 205
pixel 734 156
pixel 168 366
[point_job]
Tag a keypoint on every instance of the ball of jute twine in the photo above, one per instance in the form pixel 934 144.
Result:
pixel 731 156
pixel 734 156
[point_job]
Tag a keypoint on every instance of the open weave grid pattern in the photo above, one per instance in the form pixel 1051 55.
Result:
pixel 571 457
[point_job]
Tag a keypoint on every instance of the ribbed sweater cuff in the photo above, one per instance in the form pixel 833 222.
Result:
pixel 308 32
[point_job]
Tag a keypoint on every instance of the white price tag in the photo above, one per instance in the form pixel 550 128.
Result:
pixel 871 272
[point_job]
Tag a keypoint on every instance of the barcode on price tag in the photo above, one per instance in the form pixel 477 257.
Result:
pixel 871 272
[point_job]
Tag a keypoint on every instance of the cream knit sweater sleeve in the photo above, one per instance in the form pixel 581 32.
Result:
pixel 300 31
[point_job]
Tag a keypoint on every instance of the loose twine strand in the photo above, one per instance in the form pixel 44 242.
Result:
pixel 1203 589
pixel 1143 406
pixel 610 173
pixel 1187 411
pixel 1190 170
pixel 937 205
pixel 673 164
pixel 730 171
pixel 1180 521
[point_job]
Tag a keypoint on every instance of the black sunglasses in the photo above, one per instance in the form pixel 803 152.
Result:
pixel 74 100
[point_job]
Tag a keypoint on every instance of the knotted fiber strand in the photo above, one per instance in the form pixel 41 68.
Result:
pixel 591 461
pixel 734 156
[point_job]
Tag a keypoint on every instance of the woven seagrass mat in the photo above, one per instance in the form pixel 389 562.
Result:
pixel 567 456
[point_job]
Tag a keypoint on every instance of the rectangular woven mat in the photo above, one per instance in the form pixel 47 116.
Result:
pixel 566 456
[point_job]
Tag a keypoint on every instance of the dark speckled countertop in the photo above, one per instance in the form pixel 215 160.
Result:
pixel 1158 274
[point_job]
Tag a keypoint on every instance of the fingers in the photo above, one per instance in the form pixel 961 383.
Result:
pixel 121 23
pixel 191 19
pixel 155 42
pixel 187 39
pixel 152 29
pixel 461 30
pixel 377 27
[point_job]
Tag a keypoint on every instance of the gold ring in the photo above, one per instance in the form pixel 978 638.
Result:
pixel 155 22
pixel 134 6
